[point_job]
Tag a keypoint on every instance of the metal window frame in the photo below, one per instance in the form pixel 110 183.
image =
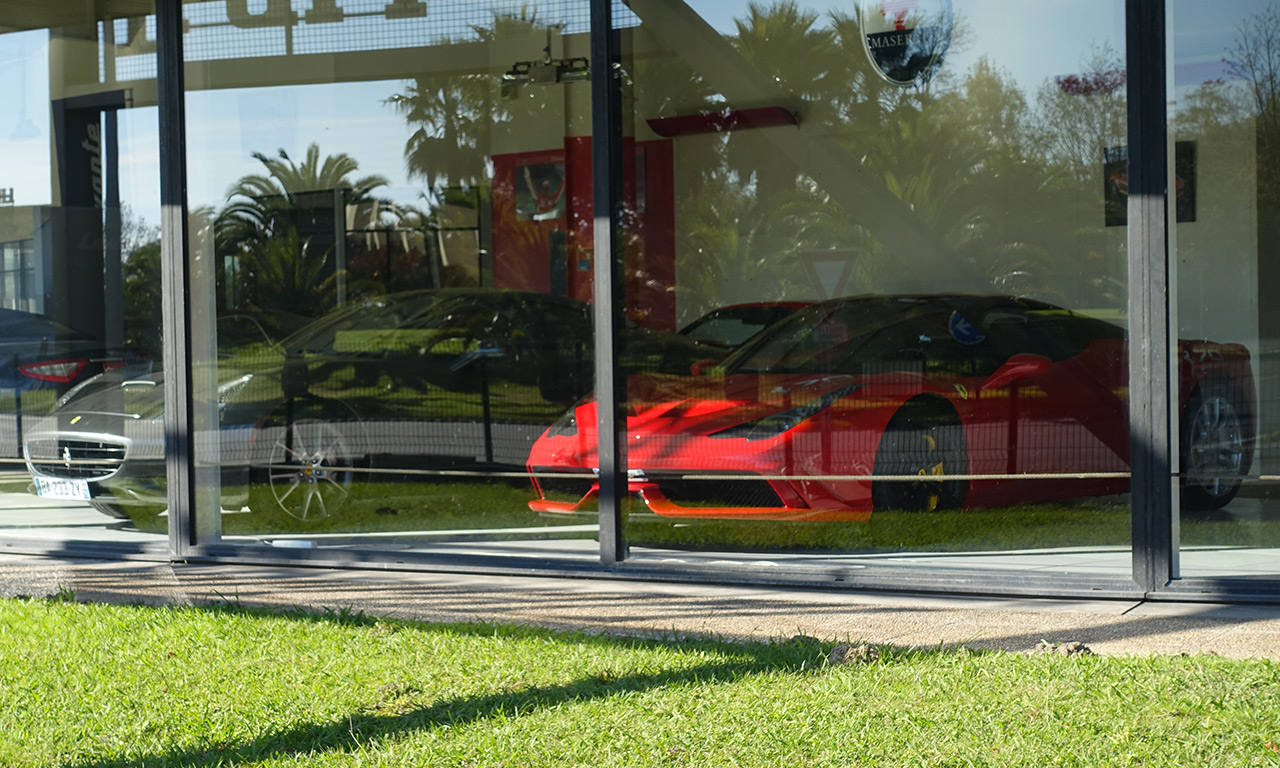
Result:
pixel 609 288
pixel 1150 348
pixel 175 278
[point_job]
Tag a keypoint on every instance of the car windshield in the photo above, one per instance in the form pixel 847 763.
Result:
pixel 355 326
pixel 401 321
pixel 953 335
pixel 733 326
pixel 823 338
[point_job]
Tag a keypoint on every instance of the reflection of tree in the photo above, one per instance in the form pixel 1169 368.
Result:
pixel 454 116
pixel 140 295
pixel 1256 59
pixel 1007 179
pixel 393 253
pixel 1082 114
pixel 1011 189
pixel 140 286
pixel 457 116
pixel 280 226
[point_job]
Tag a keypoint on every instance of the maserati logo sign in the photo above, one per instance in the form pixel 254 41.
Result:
pixel 906 39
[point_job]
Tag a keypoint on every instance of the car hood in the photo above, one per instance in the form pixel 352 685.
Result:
pixel 108 397
pixel 707 404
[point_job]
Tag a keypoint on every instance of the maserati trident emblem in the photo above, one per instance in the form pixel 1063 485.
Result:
pixel 905 39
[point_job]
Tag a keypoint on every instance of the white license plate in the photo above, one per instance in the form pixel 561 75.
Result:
pixel 54 488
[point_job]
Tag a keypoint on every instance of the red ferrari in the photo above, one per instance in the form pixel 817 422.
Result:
pixel 916 402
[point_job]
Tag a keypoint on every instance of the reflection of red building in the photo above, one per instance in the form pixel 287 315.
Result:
pixel 550 249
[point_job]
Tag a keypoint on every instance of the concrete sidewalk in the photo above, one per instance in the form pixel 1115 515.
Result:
pixel 653 608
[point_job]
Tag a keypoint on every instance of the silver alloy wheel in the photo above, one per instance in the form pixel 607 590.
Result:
pixel 1216 448
pixel 311 469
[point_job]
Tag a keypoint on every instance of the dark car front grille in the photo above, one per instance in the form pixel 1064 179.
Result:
pixel 75 459
pixel 554 483
pixel 732 491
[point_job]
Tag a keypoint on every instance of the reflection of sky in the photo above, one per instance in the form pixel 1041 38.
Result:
pixel 1040 41
pixel 1030 42
pixel 1204 34
pixel 24 116
pixel 225 128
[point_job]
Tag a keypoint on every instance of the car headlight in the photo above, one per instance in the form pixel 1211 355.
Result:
pixel 775 424
pixel 231 389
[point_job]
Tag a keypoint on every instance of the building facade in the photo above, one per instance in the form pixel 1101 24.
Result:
pixel 920 295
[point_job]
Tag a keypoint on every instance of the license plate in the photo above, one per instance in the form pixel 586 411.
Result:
pixel 54 488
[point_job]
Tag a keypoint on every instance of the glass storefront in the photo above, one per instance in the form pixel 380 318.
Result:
pixel 874 264
pixel 1225 219
pixel 79 267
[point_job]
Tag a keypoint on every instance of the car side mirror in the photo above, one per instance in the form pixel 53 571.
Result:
pixel 487 349
pixel 295 377
pixel 702 366
pixel 1023 365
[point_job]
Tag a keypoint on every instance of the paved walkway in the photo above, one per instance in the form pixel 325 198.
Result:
pixel 630 607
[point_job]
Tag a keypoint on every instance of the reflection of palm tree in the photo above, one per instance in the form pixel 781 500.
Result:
pixel 260 198
pixel 955 152
pixel 454 117
pixel 281 227
pixel 457 115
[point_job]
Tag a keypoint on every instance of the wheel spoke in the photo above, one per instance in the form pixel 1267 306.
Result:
pixel 328 478
pixel 306 500
pixel 1215 453
pixel 300 440
pixel 294 482
pixel 289 452
pixel 312 454
pixel 330 451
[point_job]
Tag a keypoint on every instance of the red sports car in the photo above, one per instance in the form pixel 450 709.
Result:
pixel 916 402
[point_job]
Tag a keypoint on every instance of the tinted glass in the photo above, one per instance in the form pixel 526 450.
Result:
pixel 942 184
pixel 79 270
pixel 390 220
pixel 1225 180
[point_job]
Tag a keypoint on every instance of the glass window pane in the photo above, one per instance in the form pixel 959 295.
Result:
pixel 390 210
pixel 1225 163
pixel 930 198
pixel 80 324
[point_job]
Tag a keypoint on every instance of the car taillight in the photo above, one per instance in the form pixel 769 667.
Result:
pixel 60 371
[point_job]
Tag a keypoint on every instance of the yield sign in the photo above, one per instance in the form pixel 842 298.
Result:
pixel 828 271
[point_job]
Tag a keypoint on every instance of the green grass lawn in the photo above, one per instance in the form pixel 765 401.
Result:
pixel 93 685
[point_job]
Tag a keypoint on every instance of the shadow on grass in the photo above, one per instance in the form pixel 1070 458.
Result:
pixel 367 725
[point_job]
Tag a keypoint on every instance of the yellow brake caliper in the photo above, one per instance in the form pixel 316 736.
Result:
pixel 935 471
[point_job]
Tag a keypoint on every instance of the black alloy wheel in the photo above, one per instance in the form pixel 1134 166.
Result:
pixel 923 440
